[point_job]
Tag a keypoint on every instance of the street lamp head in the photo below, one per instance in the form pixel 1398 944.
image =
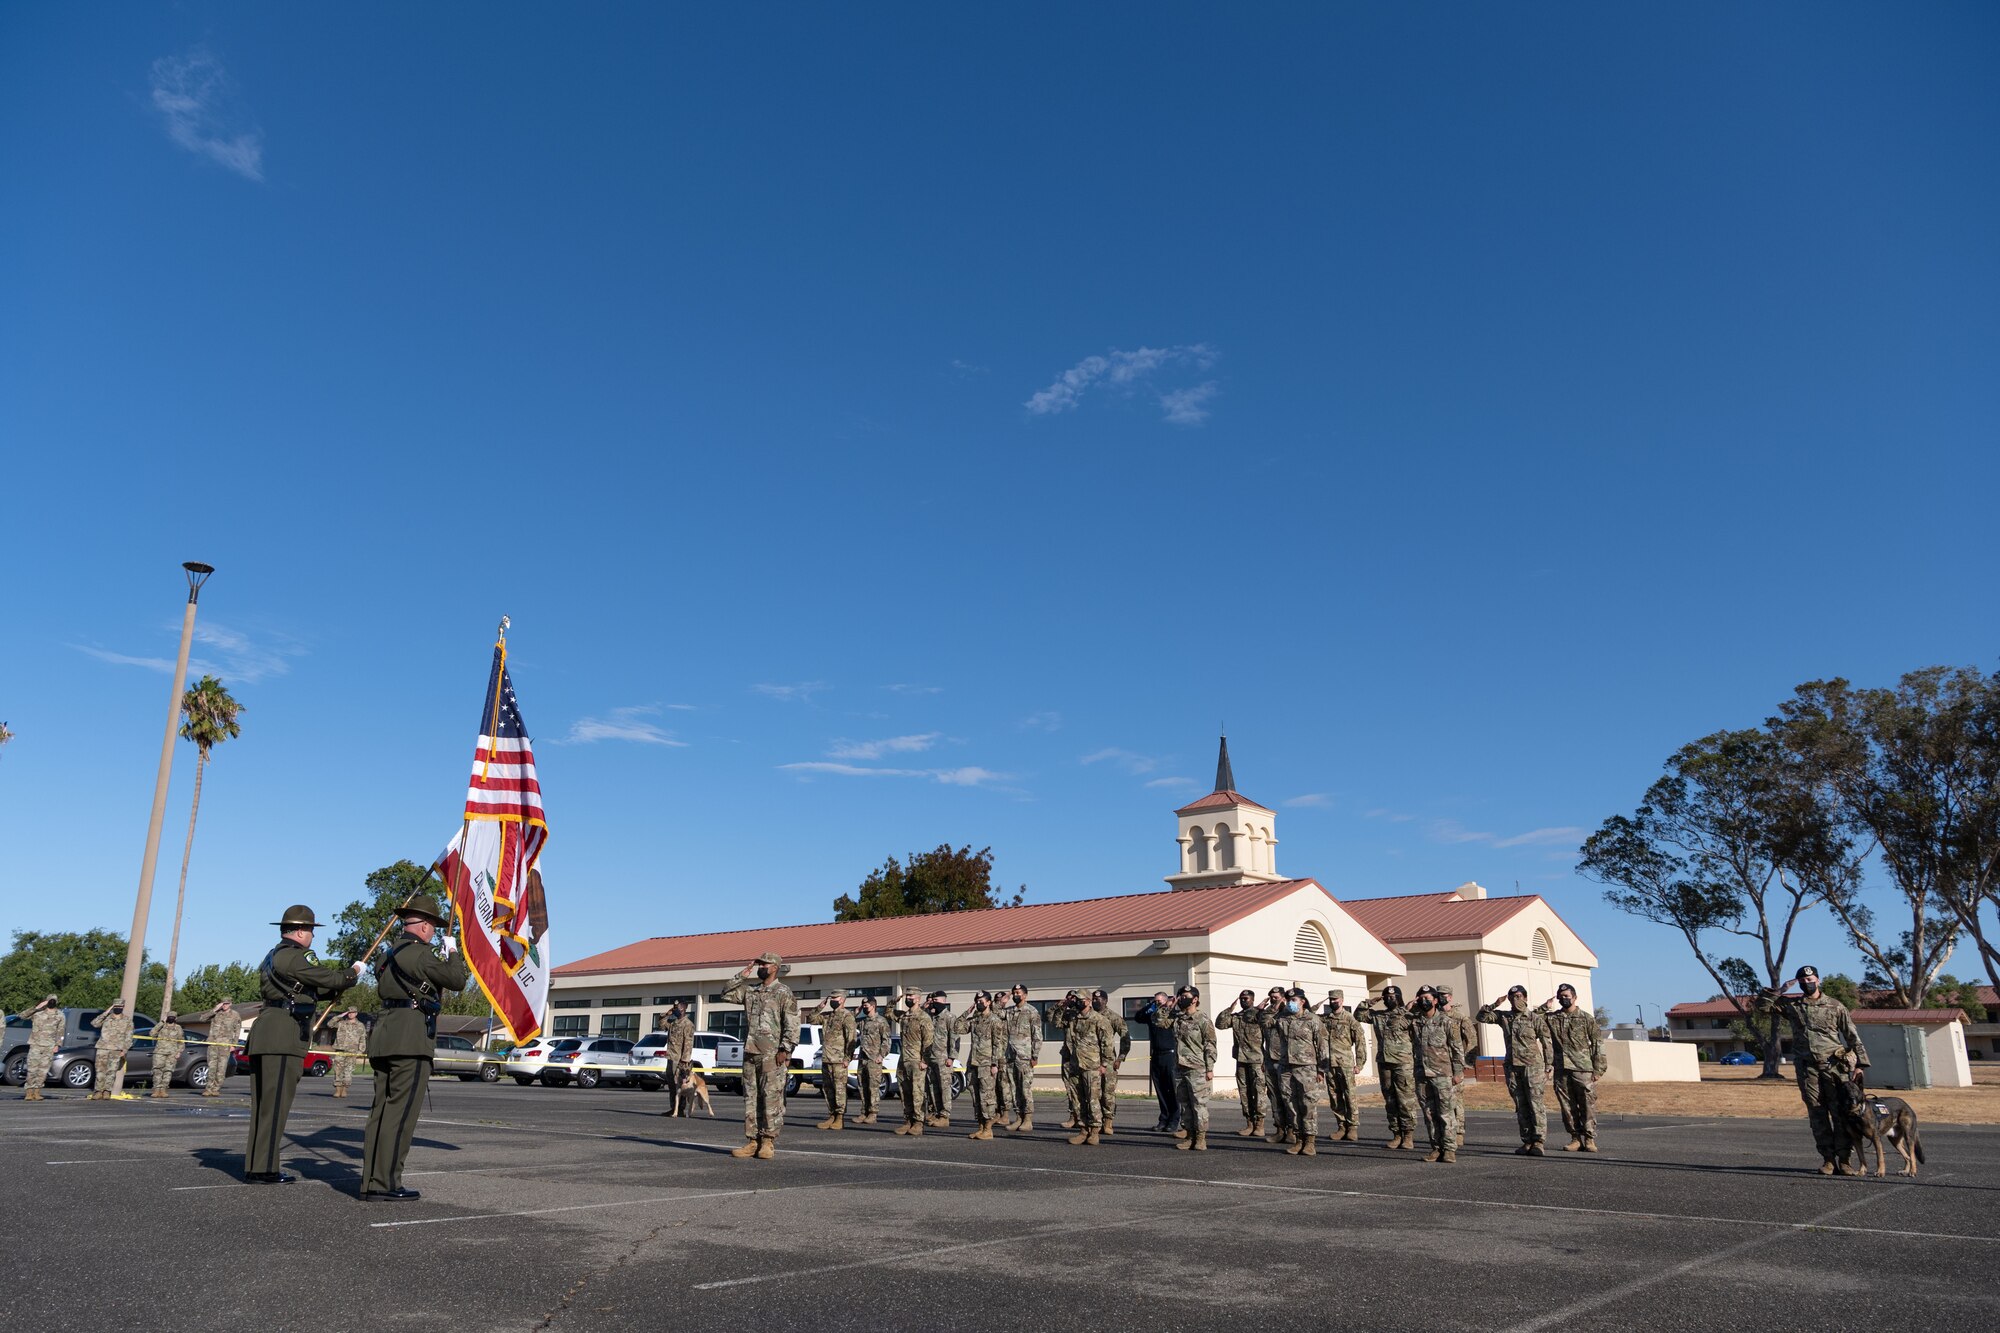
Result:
pixel 197 574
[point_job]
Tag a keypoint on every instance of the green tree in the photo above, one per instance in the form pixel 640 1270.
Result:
pixel 208 718
pixel 204 987
pixel 1916 771
pixel 85 969
pixel 357 924
pixel 1842 987
pixel 945 879
pixel 1725 844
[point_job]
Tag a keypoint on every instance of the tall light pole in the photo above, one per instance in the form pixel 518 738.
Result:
pixel 135 947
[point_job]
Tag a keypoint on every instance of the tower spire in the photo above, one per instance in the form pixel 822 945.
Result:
pixel 1225 777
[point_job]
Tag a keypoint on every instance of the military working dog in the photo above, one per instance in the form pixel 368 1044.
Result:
pixel 1870 1119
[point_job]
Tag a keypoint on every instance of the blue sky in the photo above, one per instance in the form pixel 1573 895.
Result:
pixel 1468 406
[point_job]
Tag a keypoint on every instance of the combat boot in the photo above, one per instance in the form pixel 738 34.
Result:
pixel 1450 1156
pixel 1082 1136
pixel 1590 1144
pixel 1090 1139
pixel 1433 1155
pixel 1535 1149
pixel 839 1123
pixel 1201 1140
pixel 1826 1167
pixel 1185 1144
pixel 766 1149
pixel 1408 1144
pixel 1574 1145
pixel 979 1131
pixel 1351 1134
pixel 1841 1168
pixel 825 1124
pixel 32 1095
pixel 1025 1124
pixel 916 1129
pixel 1071 1122
pixel 747 1149
pixel 1180 1134
pixel 1309 1146
pixel 1291 1148
pixel 904 1128
pixel 159 1092
pixel 1252 1129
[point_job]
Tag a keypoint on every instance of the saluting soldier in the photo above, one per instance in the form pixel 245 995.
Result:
pixel 225 1029
pixel 1101 999
pixel 351 1037
pixel 1394 1063
pixel 1530 1052
pixel 1468 1040
pixel 915 1025
pixel 678 1054
pixel 290 982
pixel 1344 1042
pixel 47 1026
pixel 1194 1067
pixel 836 1048
pixel 1579 1048
pixel 983 1053
pixel 1300 1043
pixel 1094 1045
pixel 1439 1056
pixel 412 981
pixel 770 1034
pixel 168 1039
pixel 1246 1028
pixel 1024 1047
pixel 1823 1035
pixel 1072 1008
pixel 938 1056
pixel 871 1048
pixel 114 1040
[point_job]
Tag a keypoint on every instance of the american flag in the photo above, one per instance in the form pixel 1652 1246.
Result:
pixel 491 863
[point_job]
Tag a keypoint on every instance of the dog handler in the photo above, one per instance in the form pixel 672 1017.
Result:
pixel 1821 1030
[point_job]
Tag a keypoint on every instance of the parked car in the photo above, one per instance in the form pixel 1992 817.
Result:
pixel 317 1063
pixel 712 1050
pixel 892 1062
pixel 1739 1058
pixel 76 1066
pixel 77 1032
pixel 457 1055
pixel 525 1063
pixel 589 1061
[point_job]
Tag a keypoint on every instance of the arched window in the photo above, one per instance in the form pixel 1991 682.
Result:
pixel 1225 848
pixel 1540 949
pixel 1310 946
pixel 1198 847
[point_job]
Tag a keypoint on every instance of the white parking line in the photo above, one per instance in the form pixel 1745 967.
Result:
pixel 93 1161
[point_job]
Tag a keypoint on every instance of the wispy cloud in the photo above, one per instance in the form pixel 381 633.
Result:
pixel 969 776
pixel 904 688
pixel 802 692
pixel 1127 371
pixel 965 368
pixel 1450 830
pixel 1135 764
pixel 1544 837
pixel 198 104
pixel 1172 782
pixel 1043 721
pixel 234 656
pixel 845 749
pixel 1312 800
pixel 623 724
pixel 684 708
pixel 1393 816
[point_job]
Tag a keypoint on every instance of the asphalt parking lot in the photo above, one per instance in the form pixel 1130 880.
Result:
pixel 563 1209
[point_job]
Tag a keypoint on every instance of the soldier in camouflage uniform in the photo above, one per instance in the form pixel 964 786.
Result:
pixel 938 1058
pixel 225 1029
pixel 1194 1065
pixel 1287 1130
pixel 1439 1057
pixel 983 1054
pixel 677 1059
pixel 348 1035
pixel 1579 1048
pixel 168 1038
pixel 1246 1027
pixel 1530 1052
pixel 114 1039
pixel 770 1033
pixel 1024 1047
pixel 1299 1040
pixel 1395 1063
pixel 1468 1040
pixel 916 1034
pixel 836 1048
pixel 1345 1043
pixel 1823 1037
pixel 1101 1000
pixel 1094 1045
pixel 46 1029
pixel 1066 1013
pixel 871 1046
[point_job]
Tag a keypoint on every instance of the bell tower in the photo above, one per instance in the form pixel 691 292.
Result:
pixel 1225 837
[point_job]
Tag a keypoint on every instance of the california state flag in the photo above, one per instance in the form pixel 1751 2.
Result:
pixel 491 864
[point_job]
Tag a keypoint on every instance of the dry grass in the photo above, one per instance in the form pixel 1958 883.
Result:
pixel 1739 1091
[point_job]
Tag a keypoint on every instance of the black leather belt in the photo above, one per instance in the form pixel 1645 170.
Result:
pixel 399 1004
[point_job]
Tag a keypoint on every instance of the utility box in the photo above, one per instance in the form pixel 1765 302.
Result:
pixel 1897 1057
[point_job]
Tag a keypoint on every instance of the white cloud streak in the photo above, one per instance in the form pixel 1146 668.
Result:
pixel 233 656
pixel 624 724
pixel 1135 764
pixel 968 776
pixel 1171 782
pixel 1312 800
pixel 845 749
pixel 901 688
pixel 1047 720
pixel 1127 370
pixel 1544 837
pixel 197 102
pixel 1186 407
pixel 802 692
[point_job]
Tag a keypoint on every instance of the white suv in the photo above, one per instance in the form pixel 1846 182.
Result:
pixel 711 1050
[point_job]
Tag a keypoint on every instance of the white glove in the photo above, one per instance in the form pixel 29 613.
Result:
pixel 449 947
pixel 359 967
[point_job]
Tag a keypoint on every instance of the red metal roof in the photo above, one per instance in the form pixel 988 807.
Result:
pixel 1434 916
pixel 1910 1016
pixel 1132 916
pixel 1222 800
pixel 1708 1009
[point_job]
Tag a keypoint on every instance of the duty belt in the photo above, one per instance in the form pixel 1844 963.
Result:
pixel 399 1004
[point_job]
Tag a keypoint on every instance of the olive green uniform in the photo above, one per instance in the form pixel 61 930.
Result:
pixel 871 1047
pixel 916 1035
pixel 290 983
pixel 770 1034
pixel 1530 1052
pixel 351 1036
pixel 1579 1050
pixel 1395 1065
pixel 1821 1029
pixel 114 1040
pixel 1344 1044
pixel 1247 1046
pixel 1439 1057
pixel 225 1029
pixel 836 1048
pixel 412 981
pixel 168 1038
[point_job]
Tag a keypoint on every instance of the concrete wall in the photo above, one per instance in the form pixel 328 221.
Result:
pixel 1650 1062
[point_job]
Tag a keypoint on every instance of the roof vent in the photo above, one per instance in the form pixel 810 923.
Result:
pixel 1470 891
pixel 1310 946
pixel 1538 948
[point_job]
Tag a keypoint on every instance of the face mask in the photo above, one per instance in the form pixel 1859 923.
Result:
pixel 1566 1001
pixel 1809 987
pixel 1291 1006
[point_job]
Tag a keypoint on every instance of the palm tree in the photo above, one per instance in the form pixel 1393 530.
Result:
pixel 208 718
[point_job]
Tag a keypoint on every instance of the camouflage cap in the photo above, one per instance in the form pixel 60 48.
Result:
pixel 50 999
pixel 836 995
pixel 297 917
pixel 768 957
pixel 1441 990
pixel 1336 994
